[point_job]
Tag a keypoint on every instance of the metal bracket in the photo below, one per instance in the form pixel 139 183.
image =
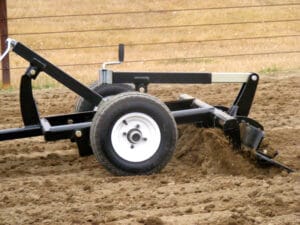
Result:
pixel 246 95
pixel 29 111
pixel 141 84
pixel 105 76
pixel 10 45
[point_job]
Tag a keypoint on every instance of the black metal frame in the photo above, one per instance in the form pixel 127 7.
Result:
pixel 243 101
pixel 185 110
pixel 59 127
pixel 38 64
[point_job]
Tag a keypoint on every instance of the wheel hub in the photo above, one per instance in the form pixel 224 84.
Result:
pixel 135 137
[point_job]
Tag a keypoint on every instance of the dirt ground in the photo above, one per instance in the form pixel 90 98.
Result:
pixel 205 182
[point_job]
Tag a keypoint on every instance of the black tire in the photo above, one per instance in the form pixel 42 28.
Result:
pixel 105 123
pixel 83 144
pixel 103 89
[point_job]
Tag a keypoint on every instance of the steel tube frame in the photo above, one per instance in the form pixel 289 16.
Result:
pixel 58 127
pixel 185 110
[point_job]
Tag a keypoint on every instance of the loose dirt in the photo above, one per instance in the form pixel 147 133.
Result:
pixel 206 182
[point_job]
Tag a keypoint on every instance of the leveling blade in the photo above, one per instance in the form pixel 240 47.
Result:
pixel 252 137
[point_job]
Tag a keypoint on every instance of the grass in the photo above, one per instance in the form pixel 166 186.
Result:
pixel 270 70
pixel 85 74
pixel 42 82
pixel 9 88
pixel 44 86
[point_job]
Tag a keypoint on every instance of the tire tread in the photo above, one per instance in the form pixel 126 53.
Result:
pixel 94 133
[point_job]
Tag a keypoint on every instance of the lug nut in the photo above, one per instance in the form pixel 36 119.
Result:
pixel 132 146
pixel 125 122
pixel 145 139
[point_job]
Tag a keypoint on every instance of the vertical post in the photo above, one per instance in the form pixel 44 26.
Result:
pixel 4 33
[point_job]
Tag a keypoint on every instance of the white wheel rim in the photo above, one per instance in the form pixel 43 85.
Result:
pixel 135 137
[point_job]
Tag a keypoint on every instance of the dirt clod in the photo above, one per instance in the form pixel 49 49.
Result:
pixel 153 221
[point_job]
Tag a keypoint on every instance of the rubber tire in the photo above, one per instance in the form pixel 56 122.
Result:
pixel 82 105
pixel 104 120
pixel 104 90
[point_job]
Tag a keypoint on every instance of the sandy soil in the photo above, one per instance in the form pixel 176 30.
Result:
pixel 205 182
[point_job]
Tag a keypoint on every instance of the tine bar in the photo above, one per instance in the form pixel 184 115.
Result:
pixel 273 162
pixel 217 112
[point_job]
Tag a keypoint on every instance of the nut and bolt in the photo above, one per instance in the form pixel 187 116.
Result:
pixel 254 78
pixel 70 121
pixel 32 72
pixel 78 133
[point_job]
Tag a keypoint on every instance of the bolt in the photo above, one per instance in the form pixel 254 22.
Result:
pixel 265 151
pixel 137 126
pixel 254 78
pixel 142 89
pixel 124 133
pixel 70 121
pixel 32 72
pixel 132 146
pixel 145 139
pixel 78 133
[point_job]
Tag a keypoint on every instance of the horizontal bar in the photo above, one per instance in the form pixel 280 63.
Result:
pixel 70 127
pixel 15 133
pixel 217 112
pixel 179 104
pixel 191 112
pixel 65 131
pixel 63 128
pixel 184 78
pixel 194 115
pixel 77 117
pixel 229 77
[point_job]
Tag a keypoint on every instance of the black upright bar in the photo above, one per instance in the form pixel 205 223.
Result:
pixel 29 111
pixel 246 95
